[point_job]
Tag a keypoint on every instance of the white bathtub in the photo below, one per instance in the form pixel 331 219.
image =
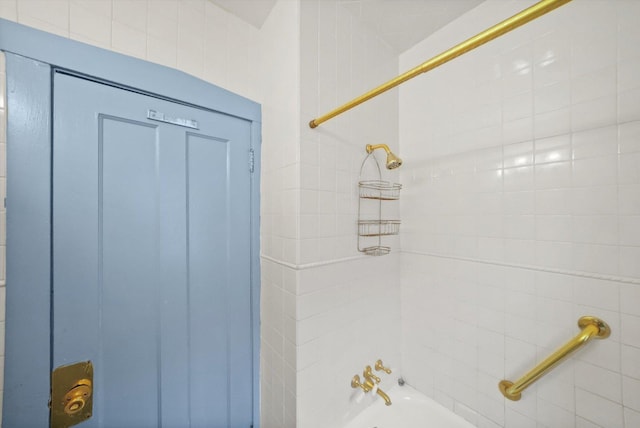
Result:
pixel 409 409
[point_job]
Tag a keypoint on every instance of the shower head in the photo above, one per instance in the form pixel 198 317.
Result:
pixel 393 161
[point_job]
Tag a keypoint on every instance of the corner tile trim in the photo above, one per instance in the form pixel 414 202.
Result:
pixel 312 265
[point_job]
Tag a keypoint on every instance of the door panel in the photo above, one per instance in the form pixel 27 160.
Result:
pixel 207 217
pixel 151 257
pixel 128 241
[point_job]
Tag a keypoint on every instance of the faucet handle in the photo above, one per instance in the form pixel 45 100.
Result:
pixel 379 367
pixel 368 374
pixel 355 382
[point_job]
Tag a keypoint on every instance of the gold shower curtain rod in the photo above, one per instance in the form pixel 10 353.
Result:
pixel 487 35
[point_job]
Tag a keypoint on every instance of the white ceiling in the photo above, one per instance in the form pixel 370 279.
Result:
pixel 254 12
pixel 401 23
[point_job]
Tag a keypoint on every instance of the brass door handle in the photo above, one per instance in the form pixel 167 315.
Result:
pixel 71 394
pixel 77 397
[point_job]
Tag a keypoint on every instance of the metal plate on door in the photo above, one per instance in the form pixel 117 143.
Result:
pixel 71 394
pixel 161 117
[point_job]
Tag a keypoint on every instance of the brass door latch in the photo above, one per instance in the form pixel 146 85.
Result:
pixel 76 399
pixel 71 394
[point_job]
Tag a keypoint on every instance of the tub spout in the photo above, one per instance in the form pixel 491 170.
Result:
pixel 385 397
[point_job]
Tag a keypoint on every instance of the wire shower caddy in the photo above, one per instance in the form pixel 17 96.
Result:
pixel 376 190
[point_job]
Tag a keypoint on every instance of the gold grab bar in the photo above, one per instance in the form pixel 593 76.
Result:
pixel 592 328
pixel 480 39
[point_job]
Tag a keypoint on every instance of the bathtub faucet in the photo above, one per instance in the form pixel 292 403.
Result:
pixel 385 397
pixel 370 384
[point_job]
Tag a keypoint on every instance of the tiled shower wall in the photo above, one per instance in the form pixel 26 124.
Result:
pixel 346 305
pixel 522 213
pixel 280 57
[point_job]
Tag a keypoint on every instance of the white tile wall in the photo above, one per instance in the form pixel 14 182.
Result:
pixel 347 311
pixel 278 341
pixel 340 60
pixel 348 315
pixel 279 56
pixel 194 36
pixel 514 237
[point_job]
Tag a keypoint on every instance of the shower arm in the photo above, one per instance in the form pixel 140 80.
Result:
pixel 392 162
pixel 480 39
